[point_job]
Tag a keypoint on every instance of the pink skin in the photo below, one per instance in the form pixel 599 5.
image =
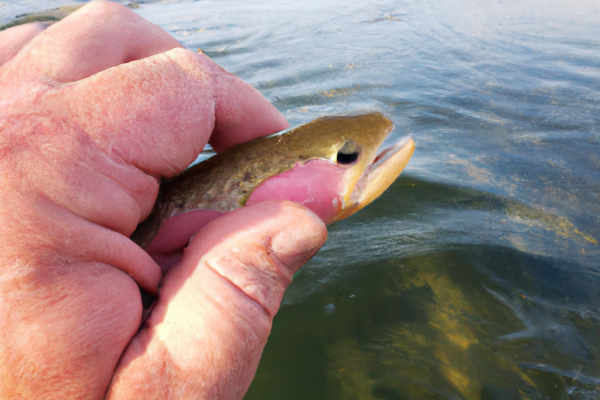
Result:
pixel 14 39
pixel 316 184
pixel 92 111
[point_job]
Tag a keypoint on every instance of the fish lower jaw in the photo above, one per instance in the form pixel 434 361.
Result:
pixel 384 170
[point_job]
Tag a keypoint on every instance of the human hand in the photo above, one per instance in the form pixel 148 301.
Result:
pixel 92 111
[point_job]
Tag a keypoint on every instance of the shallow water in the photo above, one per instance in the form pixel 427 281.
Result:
pixel 476 274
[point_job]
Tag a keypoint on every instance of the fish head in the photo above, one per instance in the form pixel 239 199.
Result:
pixel 335 166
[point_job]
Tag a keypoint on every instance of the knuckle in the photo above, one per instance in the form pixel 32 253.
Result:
pixel 256 273
pixel 108 9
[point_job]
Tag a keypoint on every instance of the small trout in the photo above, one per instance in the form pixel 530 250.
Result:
pixel 330 165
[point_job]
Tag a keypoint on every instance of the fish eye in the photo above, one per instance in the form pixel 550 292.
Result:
pixel 349 153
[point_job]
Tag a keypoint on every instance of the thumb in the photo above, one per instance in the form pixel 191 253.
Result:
pixel 207 332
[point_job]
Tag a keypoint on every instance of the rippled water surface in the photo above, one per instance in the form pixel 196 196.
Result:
pixel 476 275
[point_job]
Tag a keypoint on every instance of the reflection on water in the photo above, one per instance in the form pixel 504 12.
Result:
pixel 476 274
pixel 421 216
pixel 467 321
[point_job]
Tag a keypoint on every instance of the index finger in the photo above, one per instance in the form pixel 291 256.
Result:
pixel 100 35
pixel 104 34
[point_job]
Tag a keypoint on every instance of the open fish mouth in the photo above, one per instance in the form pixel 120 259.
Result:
pixel 386 153
pixel 379 175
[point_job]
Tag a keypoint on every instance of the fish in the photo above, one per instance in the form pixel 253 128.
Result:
pixel 330 165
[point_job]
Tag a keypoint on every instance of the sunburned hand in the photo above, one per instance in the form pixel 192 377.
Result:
pixel 92 111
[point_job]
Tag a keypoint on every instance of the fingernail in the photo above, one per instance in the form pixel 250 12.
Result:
pixel 297 243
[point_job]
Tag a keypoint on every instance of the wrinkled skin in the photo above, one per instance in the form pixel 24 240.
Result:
pixel 93 110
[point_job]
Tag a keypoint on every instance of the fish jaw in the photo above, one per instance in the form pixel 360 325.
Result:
pixel 334 191
pixel 376 178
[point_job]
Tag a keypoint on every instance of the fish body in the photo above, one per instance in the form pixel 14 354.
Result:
pixel 330 165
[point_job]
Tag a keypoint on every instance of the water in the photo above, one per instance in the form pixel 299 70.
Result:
pixel 476 274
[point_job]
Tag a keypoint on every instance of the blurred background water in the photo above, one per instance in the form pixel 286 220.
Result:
pixel 476 275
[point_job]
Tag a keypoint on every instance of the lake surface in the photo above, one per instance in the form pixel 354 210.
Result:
pixel 476 275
